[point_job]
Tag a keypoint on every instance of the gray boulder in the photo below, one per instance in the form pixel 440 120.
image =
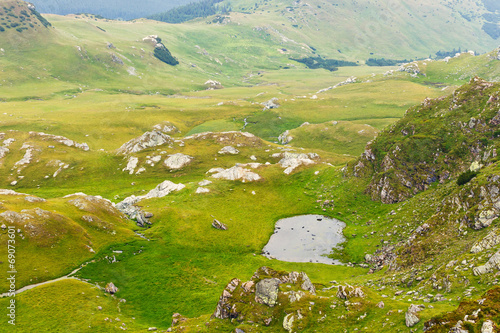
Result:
pixel 266 291
pixel 111 288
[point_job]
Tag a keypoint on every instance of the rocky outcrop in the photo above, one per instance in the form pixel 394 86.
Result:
pixel 430 145
pixel 492 265
pixel 350 80
pixel 256 300
pixel 212 84
pixel 111 288
pixel 346 292
pixel 411 316
pixel 128 205
pixel 458 328
pixel 271 104
pixel 131 164
pixel 229 150
pixel 4 149
pixel 177 161
pixel 234 173
pixel 291 161
pixel 488 327
pixel 491 240
pixel 147 140
pixel 61 139
pixel 285 137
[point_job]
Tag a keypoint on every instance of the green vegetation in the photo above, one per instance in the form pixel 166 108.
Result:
pixel 68 82
pixel 163 54
pixel 466 177
pixel 328 64
pixel 384 62
pixel 191 11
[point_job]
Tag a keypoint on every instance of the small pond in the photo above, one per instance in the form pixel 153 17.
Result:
pixel 305 238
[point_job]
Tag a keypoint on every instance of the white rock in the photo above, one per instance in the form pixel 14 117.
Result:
pixel 237 173
pixel 177 161
pixel 229 150
pixel 291 161
pixel 285 137
pixel 147 140
pixel 488 327
pixel 131 164
pixel 253 158
pixel 200 190
pixel 205 182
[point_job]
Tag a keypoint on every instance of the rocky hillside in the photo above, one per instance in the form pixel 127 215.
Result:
pixel 435 142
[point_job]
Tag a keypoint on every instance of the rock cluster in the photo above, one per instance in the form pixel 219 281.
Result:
pixel 271 104
pixel 291 161
pixel 257 300
pixel 128 205
pixel 285 137
pixel 61 139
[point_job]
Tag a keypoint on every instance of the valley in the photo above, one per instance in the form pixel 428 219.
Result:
pixel 167 180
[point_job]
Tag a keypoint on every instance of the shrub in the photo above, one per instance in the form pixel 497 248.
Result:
pixel 466 177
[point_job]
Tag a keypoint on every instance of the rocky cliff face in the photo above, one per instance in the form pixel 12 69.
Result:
pixel 433 142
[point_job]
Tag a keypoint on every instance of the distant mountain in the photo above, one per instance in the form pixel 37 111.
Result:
pixel 113 9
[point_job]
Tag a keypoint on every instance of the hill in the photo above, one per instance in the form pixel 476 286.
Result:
pixel 112 9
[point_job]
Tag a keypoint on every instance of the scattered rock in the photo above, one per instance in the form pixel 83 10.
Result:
pixel 205 182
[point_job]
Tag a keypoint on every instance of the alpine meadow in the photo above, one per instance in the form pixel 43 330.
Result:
pixel 250 166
